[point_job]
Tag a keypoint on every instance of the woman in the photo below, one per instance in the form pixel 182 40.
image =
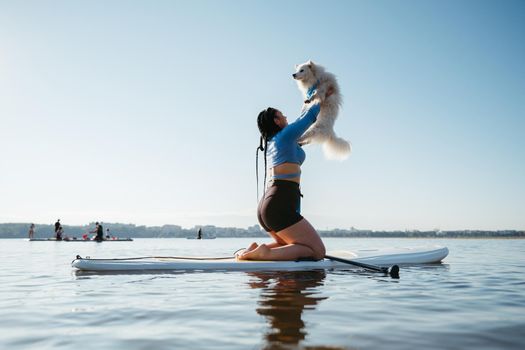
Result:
pixel 279 209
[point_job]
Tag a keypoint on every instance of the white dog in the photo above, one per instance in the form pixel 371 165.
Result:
pixel 314 82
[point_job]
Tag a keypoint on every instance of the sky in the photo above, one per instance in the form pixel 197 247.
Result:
pixel 145 112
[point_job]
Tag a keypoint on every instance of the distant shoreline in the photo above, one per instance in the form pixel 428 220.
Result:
pixel 20 230
pixel 347 237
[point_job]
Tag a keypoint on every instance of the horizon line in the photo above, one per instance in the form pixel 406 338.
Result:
pixel 256 224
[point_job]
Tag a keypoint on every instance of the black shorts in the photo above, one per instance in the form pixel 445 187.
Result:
pixel 280 207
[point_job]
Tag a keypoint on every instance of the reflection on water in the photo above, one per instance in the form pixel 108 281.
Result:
pixel 475 300
pixel 81 274
pixel 284 296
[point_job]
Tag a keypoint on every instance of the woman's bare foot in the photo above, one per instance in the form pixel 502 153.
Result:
pixel 251 247
pixel 258 253
pixel 246 250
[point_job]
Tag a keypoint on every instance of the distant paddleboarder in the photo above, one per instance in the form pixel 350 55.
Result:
pixel 58 233
pixel 199 234
pixel 99 230
pixel 57 226
pixel 31 232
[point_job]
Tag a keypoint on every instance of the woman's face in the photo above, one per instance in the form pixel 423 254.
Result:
pixel 280 120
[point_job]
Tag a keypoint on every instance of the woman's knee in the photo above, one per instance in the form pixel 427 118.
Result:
pixel 303 233
pixel 316 243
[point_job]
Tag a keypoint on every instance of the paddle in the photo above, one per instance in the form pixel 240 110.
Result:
pixel 393 271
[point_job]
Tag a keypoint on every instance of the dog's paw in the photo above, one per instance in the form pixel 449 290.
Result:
pixel 329 92
pixel 303 142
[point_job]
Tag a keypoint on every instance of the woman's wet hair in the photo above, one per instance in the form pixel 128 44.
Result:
pixel 267 128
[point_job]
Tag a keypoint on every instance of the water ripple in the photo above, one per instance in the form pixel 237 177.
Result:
pixel 467 302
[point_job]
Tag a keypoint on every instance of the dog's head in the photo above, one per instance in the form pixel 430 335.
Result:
pixel 305 71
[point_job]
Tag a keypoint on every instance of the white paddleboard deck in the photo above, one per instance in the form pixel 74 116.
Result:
pixel 380 257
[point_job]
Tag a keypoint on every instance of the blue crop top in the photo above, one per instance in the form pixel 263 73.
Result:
pixel 283 146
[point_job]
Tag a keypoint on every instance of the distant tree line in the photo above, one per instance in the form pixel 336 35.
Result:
pixel 423 234
pixel 20 230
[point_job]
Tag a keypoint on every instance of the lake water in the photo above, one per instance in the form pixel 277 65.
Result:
pixel 474 300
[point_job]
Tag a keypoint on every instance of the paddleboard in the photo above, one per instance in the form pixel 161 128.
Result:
pixel 81 240
pixel 380 257
pixel 104 240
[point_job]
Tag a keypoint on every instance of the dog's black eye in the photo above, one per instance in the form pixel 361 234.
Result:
pixel 302 70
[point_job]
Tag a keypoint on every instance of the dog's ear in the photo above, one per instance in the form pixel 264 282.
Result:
pixel 312 66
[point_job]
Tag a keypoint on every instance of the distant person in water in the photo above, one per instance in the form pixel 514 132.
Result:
pixel 100 233
pixel 31 232
pixel 57 226
pixel 59 233
pixel 99 230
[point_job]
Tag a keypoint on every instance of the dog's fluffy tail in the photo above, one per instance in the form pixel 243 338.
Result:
pixel 336 148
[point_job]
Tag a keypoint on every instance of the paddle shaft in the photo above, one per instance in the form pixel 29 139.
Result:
pixel 363 265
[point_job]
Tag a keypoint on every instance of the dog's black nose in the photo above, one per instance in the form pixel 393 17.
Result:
pixel 293 75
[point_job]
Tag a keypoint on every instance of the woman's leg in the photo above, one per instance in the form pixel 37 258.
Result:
pixel 298 240
pixel 302 241
pixel 278 240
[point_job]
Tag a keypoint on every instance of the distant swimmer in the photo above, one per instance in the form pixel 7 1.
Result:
pixel 31 232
